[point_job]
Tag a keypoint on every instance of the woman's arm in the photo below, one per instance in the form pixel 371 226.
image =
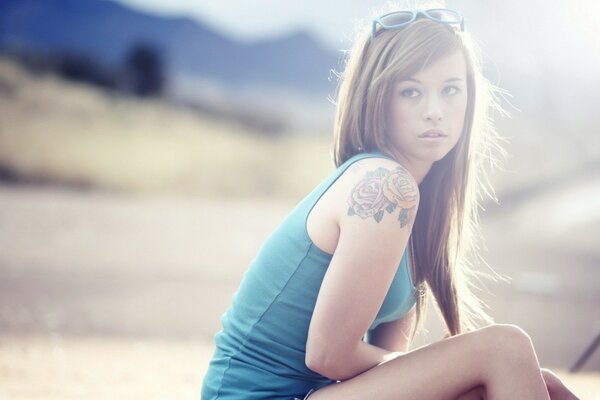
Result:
pixel 375 219
pixel 386 342
pixel 364 357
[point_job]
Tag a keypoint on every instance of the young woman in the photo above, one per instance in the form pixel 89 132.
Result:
pixel 328 307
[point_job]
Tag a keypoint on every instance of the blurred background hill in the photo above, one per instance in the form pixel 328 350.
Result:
pixel 200 65
pixel 285 86
pixel 148 149
pixel 202 62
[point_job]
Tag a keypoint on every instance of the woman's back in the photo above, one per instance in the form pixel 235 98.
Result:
pixel 260 352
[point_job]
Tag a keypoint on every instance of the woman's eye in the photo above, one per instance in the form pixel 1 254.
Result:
pixel 456 89
pixel 406 92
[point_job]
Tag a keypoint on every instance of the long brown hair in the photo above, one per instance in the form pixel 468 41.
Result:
pixel 447 221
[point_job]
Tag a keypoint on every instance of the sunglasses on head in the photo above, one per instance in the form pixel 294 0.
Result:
pixel 398 19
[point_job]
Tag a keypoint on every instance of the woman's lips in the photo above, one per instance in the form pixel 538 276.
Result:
pixel 433 135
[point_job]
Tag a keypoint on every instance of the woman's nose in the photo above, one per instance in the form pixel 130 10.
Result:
pixel 433 110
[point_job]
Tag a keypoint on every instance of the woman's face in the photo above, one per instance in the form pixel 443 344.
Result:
pixel 434 98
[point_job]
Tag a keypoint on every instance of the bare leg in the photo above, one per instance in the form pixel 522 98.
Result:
pixel 556 388
pixel 499 357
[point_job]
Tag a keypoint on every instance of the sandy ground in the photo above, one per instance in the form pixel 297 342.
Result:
pixel 108 296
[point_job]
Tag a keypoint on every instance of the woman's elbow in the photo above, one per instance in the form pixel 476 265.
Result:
pixel 314 359
pixel 313 363
pixel 322 367
pixel 321 360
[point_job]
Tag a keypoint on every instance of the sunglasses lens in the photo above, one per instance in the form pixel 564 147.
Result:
pixel 398 19
pixel 444 15
pixel 395 19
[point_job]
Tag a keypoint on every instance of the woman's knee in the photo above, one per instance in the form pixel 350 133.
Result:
pixel 508 343
pixel 508 336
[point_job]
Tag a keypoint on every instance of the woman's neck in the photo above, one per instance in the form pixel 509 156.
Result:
pixel 418 169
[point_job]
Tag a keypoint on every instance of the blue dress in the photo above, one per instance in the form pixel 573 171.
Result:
pixel 260 350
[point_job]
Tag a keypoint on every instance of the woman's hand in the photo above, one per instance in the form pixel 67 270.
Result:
pixel 556 389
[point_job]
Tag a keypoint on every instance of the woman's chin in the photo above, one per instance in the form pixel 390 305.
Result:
pixel 434 156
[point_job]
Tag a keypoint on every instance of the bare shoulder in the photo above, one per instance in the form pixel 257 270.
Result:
pixel 377 188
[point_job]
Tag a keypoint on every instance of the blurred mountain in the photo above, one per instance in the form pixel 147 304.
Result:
pixel 542 52
pixel 106 31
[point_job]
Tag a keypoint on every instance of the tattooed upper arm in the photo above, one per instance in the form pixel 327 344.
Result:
pixel 374 229
pixel 383 190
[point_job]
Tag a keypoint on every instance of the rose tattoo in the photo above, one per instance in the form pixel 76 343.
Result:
pixel 383 190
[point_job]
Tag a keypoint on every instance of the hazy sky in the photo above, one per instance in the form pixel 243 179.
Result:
pixel 333 21
pixel 556 34
pixel 536 49
pixel 330 21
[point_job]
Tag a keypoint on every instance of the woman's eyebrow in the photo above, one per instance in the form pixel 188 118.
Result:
pixel 418 81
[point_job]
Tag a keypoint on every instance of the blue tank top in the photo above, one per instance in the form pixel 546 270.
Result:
pixel 260 350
